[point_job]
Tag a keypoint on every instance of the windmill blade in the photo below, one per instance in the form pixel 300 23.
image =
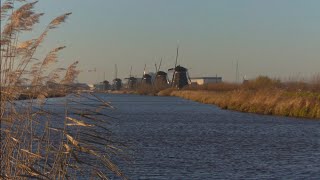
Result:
pixel 189 79
pixel 174 72
pixel 130 71
pixel 155 77
pixel 155 64
pixel 116 71
pixel 173 76
pixel 177 55
pixel 144 70
pixel 168 82
pixel 160 64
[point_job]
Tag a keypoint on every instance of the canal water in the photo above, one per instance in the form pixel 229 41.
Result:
pixel 173 138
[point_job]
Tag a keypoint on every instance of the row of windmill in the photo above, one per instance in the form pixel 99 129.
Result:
pixel 180 77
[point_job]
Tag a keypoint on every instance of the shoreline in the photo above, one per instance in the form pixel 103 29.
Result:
pixel 275 102
pixel 27 96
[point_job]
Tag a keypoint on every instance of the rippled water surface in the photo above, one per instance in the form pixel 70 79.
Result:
pixel 172 138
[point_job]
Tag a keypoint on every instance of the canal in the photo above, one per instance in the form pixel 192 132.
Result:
pixel 173 138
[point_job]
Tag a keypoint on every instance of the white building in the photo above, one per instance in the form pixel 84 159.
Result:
pixel 205 80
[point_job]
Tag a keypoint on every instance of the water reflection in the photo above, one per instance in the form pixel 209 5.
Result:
pixel 172 138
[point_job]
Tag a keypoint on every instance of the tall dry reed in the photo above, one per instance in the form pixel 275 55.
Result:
pixel 37 143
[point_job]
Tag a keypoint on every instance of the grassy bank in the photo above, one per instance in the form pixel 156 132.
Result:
pixel 145 89
pixel 47 94
pixel 262 96
pixel 261 102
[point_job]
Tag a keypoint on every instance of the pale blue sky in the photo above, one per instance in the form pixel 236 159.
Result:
pixel 279 38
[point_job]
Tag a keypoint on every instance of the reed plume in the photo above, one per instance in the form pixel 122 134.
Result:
pixel 35 142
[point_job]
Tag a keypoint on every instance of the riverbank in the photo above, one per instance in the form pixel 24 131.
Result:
pixel 261 96
pixel 50 94
pixel 268 102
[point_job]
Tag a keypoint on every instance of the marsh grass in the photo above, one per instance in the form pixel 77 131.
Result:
pixel 36 142
pixel 145 89
pixel 262 95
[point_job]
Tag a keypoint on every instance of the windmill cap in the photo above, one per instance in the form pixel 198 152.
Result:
pixel 146 76
pixel 180 69
pixel 161 73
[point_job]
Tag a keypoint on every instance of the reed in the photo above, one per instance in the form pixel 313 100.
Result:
pixel 261 95
pixel 145 89
pixel 37 143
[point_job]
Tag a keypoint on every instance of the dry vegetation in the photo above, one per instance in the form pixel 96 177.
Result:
pixel 261 95
pixel 35 142
pixel 145 89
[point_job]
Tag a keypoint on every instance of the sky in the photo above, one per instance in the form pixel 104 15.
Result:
pixel 278 38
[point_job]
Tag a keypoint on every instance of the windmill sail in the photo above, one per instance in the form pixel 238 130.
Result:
pixel 146 78
pixel 117 83
pixel 161 78
pixel 180 74
pixel 132 81
pixel 175 65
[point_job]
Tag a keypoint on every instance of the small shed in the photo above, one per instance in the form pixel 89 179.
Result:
pixel 205 80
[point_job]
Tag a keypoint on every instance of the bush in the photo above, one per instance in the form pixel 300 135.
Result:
pixel 262 82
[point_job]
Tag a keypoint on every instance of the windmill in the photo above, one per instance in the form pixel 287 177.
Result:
pixel 146 78
pixel 180 77
pixel 161 78
pixel 105 85
pixel 117 83
pixel 132 81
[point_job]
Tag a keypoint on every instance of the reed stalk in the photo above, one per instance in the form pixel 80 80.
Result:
pixel 36 142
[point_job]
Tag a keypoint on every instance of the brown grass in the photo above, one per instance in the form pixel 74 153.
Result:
pixel 262 95
pixel 145 89
pixel 261 102
pixel 214 87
